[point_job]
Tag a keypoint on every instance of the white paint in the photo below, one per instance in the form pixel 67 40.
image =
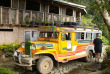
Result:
pixel 84 52
pixel 15 53
pixel 90 47
pixel 74 48
pixel 68 44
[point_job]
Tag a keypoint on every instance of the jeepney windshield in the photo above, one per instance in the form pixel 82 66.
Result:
pixel 49 34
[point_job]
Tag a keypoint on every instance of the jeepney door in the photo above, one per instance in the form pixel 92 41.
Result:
pixel 65 42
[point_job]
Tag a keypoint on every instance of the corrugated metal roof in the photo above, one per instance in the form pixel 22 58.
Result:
pixel 71 4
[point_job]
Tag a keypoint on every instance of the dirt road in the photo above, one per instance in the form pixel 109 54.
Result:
pixel 71 67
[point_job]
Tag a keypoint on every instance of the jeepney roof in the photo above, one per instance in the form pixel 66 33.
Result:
pixel 67 29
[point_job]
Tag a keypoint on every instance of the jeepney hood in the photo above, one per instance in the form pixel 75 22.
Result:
pixel 39 46
pixel 48 45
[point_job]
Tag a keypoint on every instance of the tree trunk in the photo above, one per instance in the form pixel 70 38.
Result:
pixel 105 15
pixel 109 33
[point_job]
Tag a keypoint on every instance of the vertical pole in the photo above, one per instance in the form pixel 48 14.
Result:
pixel 23 15
pixel 11 3
pixel 10 16
pixel 25 5
pixel 1 16
pixel 18 4
pixel 17 16
pixel 31 15
pixel 79 18
pixel 40 7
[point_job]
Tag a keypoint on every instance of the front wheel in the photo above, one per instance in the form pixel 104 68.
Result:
pixel 44 65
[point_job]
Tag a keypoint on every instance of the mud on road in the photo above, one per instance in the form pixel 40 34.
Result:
pixel 71 67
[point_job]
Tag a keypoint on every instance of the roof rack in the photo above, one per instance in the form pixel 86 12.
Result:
pixel 76 25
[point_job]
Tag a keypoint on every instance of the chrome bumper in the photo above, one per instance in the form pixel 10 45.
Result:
pixel 22 60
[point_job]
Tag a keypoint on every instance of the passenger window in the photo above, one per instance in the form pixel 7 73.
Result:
pixel 79 36
pixel 63 36
pixel 68 36
pixel 82 36
pixel 89 36
pixel 94 35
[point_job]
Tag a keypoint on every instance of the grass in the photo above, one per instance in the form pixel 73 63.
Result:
pixel 7 71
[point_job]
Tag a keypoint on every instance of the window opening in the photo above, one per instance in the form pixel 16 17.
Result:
pixel 63 36
pixel 69 11
pixel 27 36
pixel 34 35
pixel 82 36
pixel 6 29
pixel 89 36
pixel 6 3
pixel 32 5
pixel 94 35
pixel 54 9
pixel 79 36
pixel 48 34
pixel 68 36
pixel 31 35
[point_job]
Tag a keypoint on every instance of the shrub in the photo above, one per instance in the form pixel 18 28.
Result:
pixel 107 48
pixel 8 48
pixel 7 71
pixel 105 40
pixel 106 71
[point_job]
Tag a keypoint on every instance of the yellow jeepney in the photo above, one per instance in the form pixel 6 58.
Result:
pixel 57 44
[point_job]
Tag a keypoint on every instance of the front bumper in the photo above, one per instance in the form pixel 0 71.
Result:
pixel 22 60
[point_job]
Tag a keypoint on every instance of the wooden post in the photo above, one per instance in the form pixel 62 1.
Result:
pixel 10 16
pixel 11 3
pixel 59 18
pixel 79 18
pixel 25 5
pixel 17 16
pixel 18 4
pixel 23 15
pixel 31 15
pixel 1 15
pixel 40 7
pixel 74 15
pixel 43 16
pixel 48 8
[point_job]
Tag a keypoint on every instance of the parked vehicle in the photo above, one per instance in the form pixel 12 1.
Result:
pixel 57 44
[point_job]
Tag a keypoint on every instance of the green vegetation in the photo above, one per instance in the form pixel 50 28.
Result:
pixel 87 19
pixel 107 48
pixel 105 40
pixel 8 48
pixel 94 16
pixel 7 71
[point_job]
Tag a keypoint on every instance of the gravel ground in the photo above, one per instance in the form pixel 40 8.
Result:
pixel 71 67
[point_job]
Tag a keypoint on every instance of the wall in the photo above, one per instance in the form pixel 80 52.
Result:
pixel 17 35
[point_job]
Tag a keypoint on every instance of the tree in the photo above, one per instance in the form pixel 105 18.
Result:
pixel 100 10
pixel 103 8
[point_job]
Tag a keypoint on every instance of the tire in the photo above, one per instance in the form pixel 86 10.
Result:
pixel 45 65
pixel 89 57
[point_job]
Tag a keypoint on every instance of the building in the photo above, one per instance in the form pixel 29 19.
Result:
pixel 15 17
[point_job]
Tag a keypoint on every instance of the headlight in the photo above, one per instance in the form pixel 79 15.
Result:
pixel 23 45
pixel 34 47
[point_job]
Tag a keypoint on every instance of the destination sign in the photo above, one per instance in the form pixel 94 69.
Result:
pixel 47 28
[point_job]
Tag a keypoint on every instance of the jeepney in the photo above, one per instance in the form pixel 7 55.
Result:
pixel 57 44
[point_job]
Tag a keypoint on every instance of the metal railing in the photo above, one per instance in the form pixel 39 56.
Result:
pixel 15 16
